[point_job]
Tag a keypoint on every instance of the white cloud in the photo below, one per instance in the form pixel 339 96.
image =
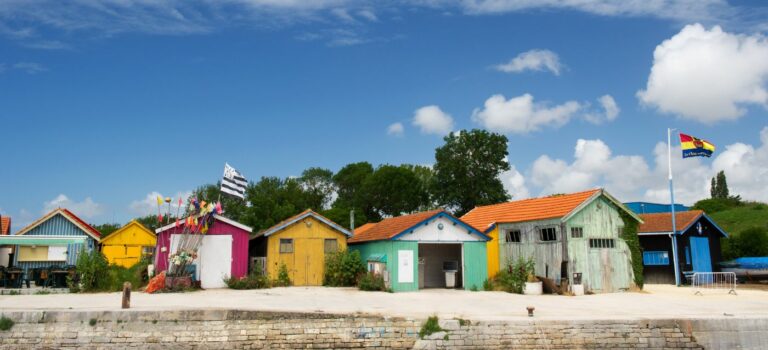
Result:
pixel 29 67
pixel 535 60
pixel 148 205
pixel 669 9
pixel 86 209
pixel 630 177
pixel 396 129
pixel 610 110
pixel 369 15
pixel 521 115
pixel 432 120
pixel 514 183
pixel 708 75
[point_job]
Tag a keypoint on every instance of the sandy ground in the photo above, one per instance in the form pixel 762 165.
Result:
pixel 657 301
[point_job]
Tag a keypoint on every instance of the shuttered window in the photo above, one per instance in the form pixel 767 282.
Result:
pixel 577 232
pixel 548 234
pixel 331 245
pixel 601 243
pixel 286 245
pixel 513 236
pixel 655 258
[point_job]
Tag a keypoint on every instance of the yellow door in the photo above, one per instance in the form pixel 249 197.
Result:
pixel 286 259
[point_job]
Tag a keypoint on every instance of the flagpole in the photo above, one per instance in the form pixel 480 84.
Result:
pixel 672 207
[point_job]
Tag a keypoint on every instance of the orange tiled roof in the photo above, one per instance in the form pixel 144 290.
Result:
pixel 388 228
pixel 662 222
pixel 5 225
pixel 531 209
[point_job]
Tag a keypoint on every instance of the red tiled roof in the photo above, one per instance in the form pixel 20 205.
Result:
pixel 662 222
pixel 5 225
pixel 388 228
pixel 555 206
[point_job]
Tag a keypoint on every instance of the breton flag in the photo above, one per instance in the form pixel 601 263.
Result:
pixel 233 182
pixel 695 147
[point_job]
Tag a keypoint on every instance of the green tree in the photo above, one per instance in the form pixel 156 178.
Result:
pixel 719 186
pixel 319 187
pixel 233 207
pixel 395 190
pixel 750 242
pixel 350 181
pixel 273 200
pixel 426 176
pixel 151 223
pixel 467 169
pixel 106 229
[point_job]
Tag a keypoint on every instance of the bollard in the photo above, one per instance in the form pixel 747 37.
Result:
pixel 127 295
pixel 530 310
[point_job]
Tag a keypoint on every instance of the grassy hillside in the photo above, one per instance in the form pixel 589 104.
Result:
pixel 736 219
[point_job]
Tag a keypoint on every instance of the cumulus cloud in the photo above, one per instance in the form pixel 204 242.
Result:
pixel 148 205
pixel 610 110
pixel 396 129
pixel 535 60
pixel 630 177
pixel 708 75
pixel 432 120
pixel 514 183
pixel 521 115
pixel 86 209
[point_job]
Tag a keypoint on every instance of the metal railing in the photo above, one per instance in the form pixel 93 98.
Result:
pixel 705 281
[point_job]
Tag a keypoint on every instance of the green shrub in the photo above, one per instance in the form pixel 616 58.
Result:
pixel 473 288
pixel 92 322
pixel 254 280
pixel 749 242
pixel 430 326
pixel 6 323
pixel 487 285
pixel 713 205
pixel 343 268
pixel 513 278
pixel 630 237
pixel 91 266
pixel 372 282
pixel 283 279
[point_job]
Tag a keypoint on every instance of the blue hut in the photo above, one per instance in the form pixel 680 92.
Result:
pixel 53 240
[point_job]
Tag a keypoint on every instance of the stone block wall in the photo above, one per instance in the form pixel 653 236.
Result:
pixel 233 329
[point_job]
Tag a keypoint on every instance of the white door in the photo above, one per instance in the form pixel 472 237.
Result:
pixel 215 261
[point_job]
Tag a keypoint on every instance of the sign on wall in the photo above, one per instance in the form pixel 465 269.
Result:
pixel 405 266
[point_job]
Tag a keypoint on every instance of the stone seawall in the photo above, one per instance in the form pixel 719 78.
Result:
pixel 233 329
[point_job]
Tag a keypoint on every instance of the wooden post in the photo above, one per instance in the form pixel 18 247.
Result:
pixel 127 295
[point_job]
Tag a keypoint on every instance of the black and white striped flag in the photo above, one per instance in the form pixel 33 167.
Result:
pixel 233 182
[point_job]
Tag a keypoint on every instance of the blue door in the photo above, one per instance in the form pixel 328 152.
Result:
pixel 702 262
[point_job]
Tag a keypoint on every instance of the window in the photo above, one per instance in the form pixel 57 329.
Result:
pixel 331 246
pixel 513 236
pixel 547 234
pixel 286 245
pixel 601 243
pixel 148 251
pixel 657 258
pixel 577 232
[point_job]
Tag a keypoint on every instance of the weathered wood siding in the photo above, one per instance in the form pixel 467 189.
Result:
pixel 602 269
pixel 548 256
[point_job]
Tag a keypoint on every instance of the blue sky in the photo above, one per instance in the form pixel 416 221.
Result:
pixel 104 103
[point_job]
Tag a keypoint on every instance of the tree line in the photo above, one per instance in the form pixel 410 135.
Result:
pixel 465 174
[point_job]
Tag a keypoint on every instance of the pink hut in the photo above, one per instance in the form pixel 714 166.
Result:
pixel 223 252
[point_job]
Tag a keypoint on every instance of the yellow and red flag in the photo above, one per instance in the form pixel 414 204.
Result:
pixel 695 147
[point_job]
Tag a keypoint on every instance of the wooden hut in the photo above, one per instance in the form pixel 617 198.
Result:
pixel 56 239
pixel 698 245
pixel 300 243
pixel 126 246
pixel 223 252
pixel 569 236
pixel 414 251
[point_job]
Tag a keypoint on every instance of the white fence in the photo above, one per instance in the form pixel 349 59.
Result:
pixel 714 281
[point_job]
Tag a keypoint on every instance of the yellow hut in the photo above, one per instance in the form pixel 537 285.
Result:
pixel 126 246
pixel 300 243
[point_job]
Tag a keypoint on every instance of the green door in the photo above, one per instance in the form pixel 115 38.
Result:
pixel 475 264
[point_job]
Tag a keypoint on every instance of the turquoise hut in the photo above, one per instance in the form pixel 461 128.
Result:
pixel 431 249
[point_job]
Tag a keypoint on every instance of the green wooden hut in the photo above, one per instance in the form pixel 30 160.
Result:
pixel 574 236
pixel 414 251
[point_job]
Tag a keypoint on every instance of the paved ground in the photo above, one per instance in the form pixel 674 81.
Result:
pixel 658 301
